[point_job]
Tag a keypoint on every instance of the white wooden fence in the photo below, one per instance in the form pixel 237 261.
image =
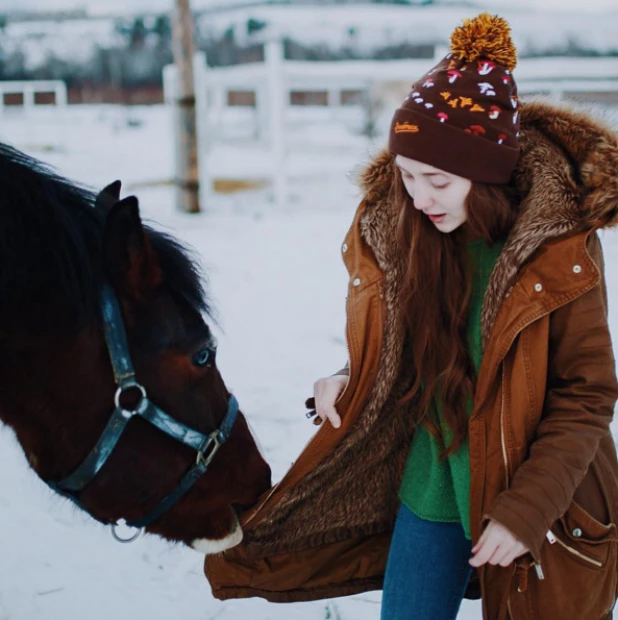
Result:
pixel 32 93
pixel 269 89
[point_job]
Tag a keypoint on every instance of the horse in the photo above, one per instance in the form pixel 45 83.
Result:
pixel 108 372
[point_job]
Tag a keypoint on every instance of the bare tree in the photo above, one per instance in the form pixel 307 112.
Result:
pixel 188 182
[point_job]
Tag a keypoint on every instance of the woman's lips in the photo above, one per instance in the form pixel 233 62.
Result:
pixel 436 219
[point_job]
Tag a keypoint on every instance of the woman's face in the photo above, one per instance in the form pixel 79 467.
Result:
pixel 440 195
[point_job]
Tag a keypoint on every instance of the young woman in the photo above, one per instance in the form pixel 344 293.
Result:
pixel 458 211
pixel 476 404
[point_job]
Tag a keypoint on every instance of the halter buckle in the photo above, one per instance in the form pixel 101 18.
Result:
pixel 213 444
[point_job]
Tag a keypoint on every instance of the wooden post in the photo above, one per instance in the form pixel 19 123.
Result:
pixel 277 105
pixel 187 180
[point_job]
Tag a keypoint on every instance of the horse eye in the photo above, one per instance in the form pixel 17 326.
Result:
pixel 204 358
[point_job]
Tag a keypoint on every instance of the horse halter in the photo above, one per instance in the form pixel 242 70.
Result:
pixel 206 446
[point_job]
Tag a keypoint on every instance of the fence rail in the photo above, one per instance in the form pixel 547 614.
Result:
pixel 31 93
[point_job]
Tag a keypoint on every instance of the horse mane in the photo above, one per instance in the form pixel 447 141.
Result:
pixel 51 246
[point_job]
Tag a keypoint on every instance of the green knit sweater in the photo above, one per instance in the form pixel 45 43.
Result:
pixel 440 490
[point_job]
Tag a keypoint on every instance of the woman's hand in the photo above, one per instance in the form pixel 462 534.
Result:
pixel 326 391
pixel 497 546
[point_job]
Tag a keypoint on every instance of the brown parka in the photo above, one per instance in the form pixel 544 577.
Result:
pixel 542 458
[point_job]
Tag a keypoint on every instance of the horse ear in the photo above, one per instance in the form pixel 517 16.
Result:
pixel 108 197
pixel 130 261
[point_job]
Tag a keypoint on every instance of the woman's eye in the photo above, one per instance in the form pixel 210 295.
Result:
pixel 441 186
pixel 203 358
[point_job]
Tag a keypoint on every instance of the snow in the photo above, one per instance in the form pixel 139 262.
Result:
pixel 278 282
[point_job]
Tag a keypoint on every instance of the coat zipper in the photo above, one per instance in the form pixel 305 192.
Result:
pixel 554 539
pixel 505 456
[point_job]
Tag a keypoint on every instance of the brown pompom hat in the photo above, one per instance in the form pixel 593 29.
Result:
pixel 462 116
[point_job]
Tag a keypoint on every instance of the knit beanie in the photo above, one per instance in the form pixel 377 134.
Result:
pixel 462 116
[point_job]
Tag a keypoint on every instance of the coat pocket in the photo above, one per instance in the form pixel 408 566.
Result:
pixel 584 538
pixel 578 568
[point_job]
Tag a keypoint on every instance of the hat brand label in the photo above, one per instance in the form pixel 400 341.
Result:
pixel 406 128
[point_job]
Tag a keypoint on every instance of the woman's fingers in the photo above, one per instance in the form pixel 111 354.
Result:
pixel 499 554
pixel 484 553
pixel 331 415
pixel 326 393
pixel 497 546
pixel 509 558
pixel 488 543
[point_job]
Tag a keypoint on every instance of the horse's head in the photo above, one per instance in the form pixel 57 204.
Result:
pixel 61 394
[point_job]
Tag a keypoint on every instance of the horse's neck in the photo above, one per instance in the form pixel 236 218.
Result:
pixel 53 386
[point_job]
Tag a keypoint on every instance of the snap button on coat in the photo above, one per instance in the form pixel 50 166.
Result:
pixel 577 268
pixel 538 287
pixel 356 281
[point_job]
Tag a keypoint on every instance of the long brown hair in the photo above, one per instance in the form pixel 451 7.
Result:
pixel 435 300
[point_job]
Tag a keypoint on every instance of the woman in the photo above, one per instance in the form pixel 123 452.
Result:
pixel 481 380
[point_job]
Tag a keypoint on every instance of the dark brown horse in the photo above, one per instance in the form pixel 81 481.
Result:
pixel 162 448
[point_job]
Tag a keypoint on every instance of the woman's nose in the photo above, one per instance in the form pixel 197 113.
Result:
pixel 422 200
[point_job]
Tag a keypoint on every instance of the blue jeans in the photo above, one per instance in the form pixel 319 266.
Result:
pixel 427 570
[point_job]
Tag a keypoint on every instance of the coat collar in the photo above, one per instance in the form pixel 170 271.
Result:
pixel 567 171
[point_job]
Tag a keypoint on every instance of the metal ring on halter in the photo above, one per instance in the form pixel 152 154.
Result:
pixel 143 403
pixel 125 540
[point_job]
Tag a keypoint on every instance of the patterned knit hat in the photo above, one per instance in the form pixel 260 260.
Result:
pixel 462 116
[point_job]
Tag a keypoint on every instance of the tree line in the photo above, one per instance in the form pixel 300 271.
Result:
pixel 131 69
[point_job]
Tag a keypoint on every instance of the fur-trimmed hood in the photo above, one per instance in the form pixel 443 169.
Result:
pixel 567 173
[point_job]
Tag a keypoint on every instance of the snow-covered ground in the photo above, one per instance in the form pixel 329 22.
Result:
pixel 277 279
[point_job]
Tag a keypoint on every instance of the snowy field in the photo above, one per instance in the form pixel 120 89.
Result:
pixel 277 280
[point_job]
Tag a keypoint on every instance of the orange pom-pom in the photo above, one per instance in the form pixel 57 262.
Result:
pixel 487 37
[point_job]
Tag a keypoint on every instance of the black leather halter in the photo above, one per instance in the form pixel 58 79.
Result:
pixel 206 446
